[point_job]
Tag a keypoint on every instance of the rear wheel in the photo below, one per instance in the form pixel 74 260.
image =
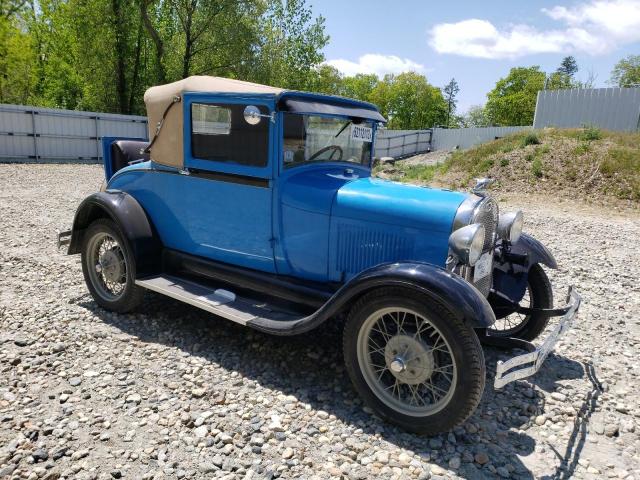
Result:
pixel 412 361
pixel 109 268
pixel 538 294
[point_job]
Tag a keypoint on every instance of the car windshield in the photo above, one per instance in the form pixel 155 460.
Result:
pixel 314 138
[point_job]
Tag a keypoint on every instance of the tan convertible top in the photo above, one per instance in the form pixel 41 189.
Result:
pixel 168 148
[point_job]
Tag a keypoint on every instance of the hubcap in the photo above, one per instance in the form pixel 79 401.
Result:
pixel 107 266
pixel 410 360
pixel 406 361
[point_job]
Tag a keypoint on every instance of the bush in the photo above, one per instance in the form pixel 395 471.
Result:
pixel 536 168
pixel 589 134
pixel 582 149
pixel 504 162
pixel 530 138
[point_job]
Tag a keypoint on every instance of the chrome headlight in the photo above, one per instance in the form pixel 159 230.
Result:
pixel 510 226
pixel 466 243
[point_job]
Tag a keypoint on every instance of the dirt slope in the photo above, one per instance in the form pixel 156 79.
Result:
pixel 599 167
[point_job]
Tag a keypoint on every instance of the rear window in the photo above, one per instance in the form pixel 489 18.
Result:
pixel 210 119
pixel 219 133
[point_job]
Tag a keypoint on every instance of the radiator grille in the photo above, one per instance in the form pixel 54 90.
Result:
pixel 484 284
pixel 487 215
pixel 360 248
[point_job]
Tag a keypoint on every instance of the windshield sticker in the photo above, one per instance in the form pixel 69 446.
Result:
pixel 362 134
pixel 288 156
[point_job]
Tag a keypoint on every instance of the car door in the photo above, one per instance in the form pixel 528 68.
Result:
pixel 229 179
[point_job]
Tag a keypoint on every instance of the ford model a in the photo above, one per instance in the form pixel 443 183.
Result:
pixel 258 205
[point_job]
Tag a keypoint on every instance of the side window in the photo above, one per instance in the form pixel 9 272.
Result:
pixel 210 119
pixel 220 133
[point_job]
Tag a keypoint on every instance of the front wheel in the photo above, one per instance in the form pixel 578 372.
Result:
pixel 109 267
pixel 412 361
pixel 538 294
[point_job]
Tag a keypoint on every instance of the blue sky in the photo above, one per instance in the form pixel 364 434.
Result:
pixel 478 42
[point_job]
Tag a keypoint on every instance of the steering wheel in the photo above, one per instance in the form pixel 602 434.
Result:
pixel 335 148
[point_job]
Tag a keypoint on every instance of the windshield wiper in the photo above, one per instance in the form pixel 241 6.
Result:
pixel 343 128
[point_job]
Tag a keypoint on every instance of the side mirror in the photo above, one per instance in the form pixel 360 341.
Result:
pixel 252 115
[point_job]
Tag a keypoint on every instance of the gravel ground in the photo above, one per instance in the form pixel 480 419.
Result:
pixel 173 392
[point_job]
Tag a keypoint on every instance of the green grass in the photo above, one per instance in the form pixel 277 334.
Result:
pixel 536 168
pixel 623 164
pixel 530 138
pixel 420 173
pixel 561 155
pixel 589 134
pixel 582 148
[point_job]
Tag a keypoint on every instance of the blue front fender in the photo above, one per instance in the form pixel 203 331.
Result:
pixel 455 293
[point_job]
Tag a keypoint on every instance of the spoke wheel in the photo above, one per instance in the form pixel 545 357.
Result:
pixel 109 268
pixel 538 294
pixel 412 360
pixel 406 361
pixel 514 322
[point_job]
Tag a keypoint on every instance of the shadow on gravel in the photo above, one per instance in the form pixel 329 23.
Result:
pixel 310 367
pixel 569 460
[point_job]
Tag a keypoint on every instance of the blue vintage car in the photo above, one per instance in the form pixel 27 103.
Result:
pixel 257 204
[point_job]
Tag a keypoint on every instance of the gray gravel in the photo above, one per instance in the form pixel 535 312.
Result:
pixel 172 392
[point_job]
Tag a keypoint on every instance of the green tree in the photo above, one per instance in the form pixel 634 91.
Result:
pixel 626 73
pixel 17 61
pixel 409 101
pixel 513 99
pixel 326 79
pixel 360 86
pixel 290 45
pixel 451 90
pixel 476 116
pixel 568 67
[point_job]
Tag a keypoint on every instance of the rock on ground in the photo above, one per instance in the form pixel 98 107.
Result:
pixel 173 392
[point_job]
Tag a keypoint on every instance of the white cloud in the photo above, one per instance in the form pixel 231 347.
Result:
pixel 595 27
pixel 376 63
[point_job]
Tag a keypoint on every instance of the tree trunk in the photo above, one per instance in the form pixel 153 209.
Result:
pixel 121 54
pixel 188 41
pixel 157 41
pixel 136 72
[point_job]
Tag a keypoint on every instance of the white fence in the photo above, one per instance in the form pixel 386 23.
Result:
pixel 30 134
pixel 402 143
pixel 453 138
pixel 615 109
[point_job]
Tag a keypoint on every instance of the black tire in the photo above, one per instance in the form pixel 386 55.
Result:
pixel 131 295
pixel 467 384
pixel 529 326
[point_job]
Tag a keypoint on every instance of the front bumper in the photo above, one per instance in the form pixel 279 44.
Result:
pixel 507 372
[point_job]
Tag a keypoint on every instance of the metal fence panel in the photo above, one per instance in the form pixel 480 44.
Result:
pixel 607 108
pixel 402 143
pixel 454 138
pixel 46 134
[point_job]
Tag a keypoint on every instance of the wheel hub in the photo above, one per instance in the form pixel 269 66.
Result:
pixel 409 359
pixel 110 266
